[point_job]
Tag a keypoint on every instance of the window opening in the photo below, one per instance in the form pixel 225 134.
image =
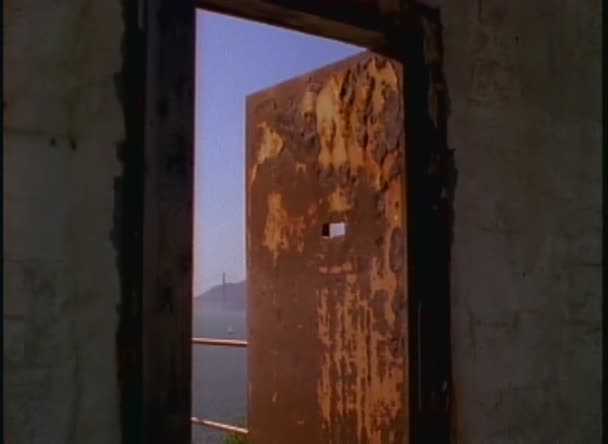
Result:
pixel 333 230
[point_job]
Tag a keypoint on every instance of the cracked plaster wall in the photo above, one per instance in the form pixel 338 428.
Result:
pixel 61 128
pixel 525 123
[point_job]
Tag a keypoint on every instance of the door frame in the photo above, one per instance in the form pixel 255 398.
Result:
pixel 155 357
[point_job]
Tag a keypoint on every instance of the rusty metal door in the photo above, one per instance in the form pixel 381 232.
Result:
pixel 327 312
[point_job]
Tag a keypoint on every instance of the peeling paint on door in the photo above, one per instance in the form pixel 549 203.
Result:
pixel 327 316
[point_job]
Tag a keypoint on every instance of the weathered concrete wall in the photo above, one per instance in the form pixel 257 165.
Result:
pixel 524 86
pixel 523 81
pixel 61 128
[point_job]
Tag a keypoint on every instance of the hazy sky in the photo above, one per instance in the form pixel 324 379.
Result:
pixel 234 59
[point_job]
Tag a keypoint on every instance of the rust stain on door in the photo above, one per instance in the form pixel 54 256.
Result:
pixel 327 315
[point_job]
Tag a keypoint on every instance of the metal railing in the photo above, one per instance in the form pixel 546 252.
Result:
pixel 219 426
pixel 213 424
pixel 220 342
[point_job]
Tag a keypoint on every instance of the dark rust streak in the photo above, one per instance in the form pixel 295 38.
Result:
pixel 431 173
pixel 169 113
pixel 127 225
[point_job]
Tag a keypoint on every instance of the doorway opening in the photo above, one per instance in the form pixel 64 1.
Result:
pixel 234 59
pixel 411 34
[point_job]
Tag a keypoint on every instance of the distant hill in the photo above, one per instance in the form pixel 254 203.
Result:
pixel 235 298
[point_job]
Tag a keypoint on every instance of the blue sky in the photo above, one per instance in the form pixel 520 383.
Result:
pixel 234 59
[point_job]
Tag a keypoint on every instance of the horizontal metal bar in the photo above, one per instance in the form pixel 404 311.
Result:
pixel 220 342
pixel 219 426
